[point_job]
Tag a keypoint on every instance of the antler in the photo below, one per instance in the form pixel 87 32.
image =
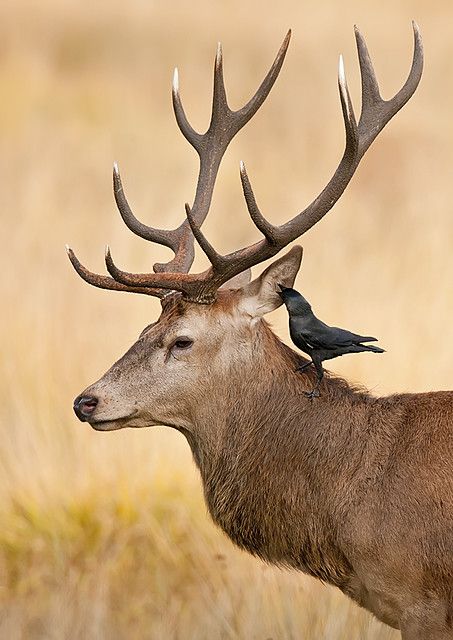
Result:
pixel 210 147
pixel 375 114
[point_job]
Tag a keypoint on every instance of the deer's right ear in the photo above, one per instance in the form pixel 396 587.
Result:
pixel 260 296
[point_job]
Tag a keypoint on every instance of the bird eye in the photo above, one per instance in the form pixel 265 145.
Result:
pixel 182 343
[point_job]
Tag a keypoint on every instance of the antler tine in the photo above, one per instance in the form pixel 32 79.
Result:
pixel 184 255
pixel 220 107
pixel 267 229
pixel 178 240
pixel 193 287
pixel 370 86
pixel 252 106
pixel 349 120
pixel 214 257
pixel 223 126
pixel 184 125
pixel 376 112
pixel 104 282
pixel 137 227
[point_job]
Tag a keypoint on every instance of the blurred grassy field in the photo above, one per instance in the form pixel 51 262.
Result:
pixel 106 535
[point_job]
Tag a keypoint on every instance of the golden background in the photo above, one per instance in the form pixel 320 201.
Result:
pixel 106 535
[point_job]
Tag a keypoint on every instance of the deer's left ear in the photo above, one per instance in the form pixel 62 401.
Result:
pixel 260 296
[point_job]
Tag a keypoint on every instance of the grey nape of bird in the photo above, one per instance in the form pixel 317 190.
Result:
pixel 317 339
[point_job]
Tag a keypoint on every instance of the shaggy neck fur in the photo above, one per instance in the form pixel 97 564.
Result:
pixel 281 472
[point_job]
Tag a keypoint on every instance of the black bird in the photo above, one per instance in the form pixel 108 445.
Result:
pixel 317 339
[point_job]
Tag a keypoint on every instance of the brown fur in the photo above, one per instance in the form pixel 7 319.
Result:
pixel 349 488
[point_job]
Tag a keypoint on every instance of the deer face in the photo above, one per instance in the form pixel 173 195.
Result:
pixel 186 356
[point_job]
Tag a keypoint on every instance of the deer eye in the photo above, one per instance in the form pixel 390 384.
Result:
pixel 182 343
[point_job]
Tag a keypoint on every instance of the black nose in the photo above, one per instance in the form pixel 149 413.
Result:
pixel 84 407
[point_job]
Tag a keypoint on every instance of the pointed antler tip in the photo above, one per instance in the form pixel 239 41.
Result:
pixel 116 170
pixel 285 43
pixel 175 80
pixel 242 166
pixel 341 73
pixel 415 27
pixel 68 249
pixel 218 55
pixel 358 34
pixel 107 251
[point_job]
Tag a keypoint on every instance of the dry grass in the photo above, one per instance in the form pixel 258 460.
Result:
pixel 105 536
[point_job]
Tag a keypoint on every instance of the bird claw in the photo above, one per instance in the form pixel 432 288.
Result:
pixel 312 394
pixel 303 367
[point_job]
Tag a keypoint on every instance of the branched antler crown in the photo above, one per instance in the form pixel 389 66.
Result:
pixel 211 146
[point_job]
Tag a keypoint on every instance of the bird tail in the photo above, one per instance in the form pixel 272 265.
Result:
pixel 356 348
pixel 370 347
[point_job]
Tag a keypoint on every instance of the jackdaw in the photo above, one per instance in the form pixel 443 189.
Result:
pixel 317 339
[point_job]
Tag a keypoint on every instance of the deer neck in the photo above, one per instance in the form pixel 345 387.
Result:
pixel 268 454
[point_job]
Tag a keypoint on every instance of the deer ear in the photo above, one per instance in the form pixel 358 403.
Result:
pixel 239 281
pixel 260 296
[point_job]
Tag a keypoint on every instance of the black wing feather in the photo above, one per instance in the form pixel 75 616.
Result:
pixel 321 336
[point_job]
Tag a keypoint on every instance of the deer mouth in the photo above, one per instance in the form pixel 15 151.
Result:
pixel 107 425
pixel 112 424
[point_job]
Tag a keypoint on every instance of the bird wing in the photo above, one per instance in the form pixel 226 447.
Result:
pixel 351 338
pixel 298 336
pixel 320 336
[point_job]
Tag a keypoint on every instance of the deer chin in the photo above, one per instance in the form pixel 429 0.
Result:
pixel 108 425
pixel 113 424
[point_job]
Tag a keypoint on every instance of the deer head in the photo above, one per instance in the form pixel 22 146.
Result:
pixel 211 332
pixel 185 354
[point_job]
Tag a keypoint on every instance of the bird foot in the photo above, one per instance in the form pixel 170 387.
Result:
pixel 312 394
pixel 303 367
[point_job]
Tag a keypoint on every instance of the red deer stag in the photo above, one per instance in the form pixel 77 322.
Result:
pixel 352 489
